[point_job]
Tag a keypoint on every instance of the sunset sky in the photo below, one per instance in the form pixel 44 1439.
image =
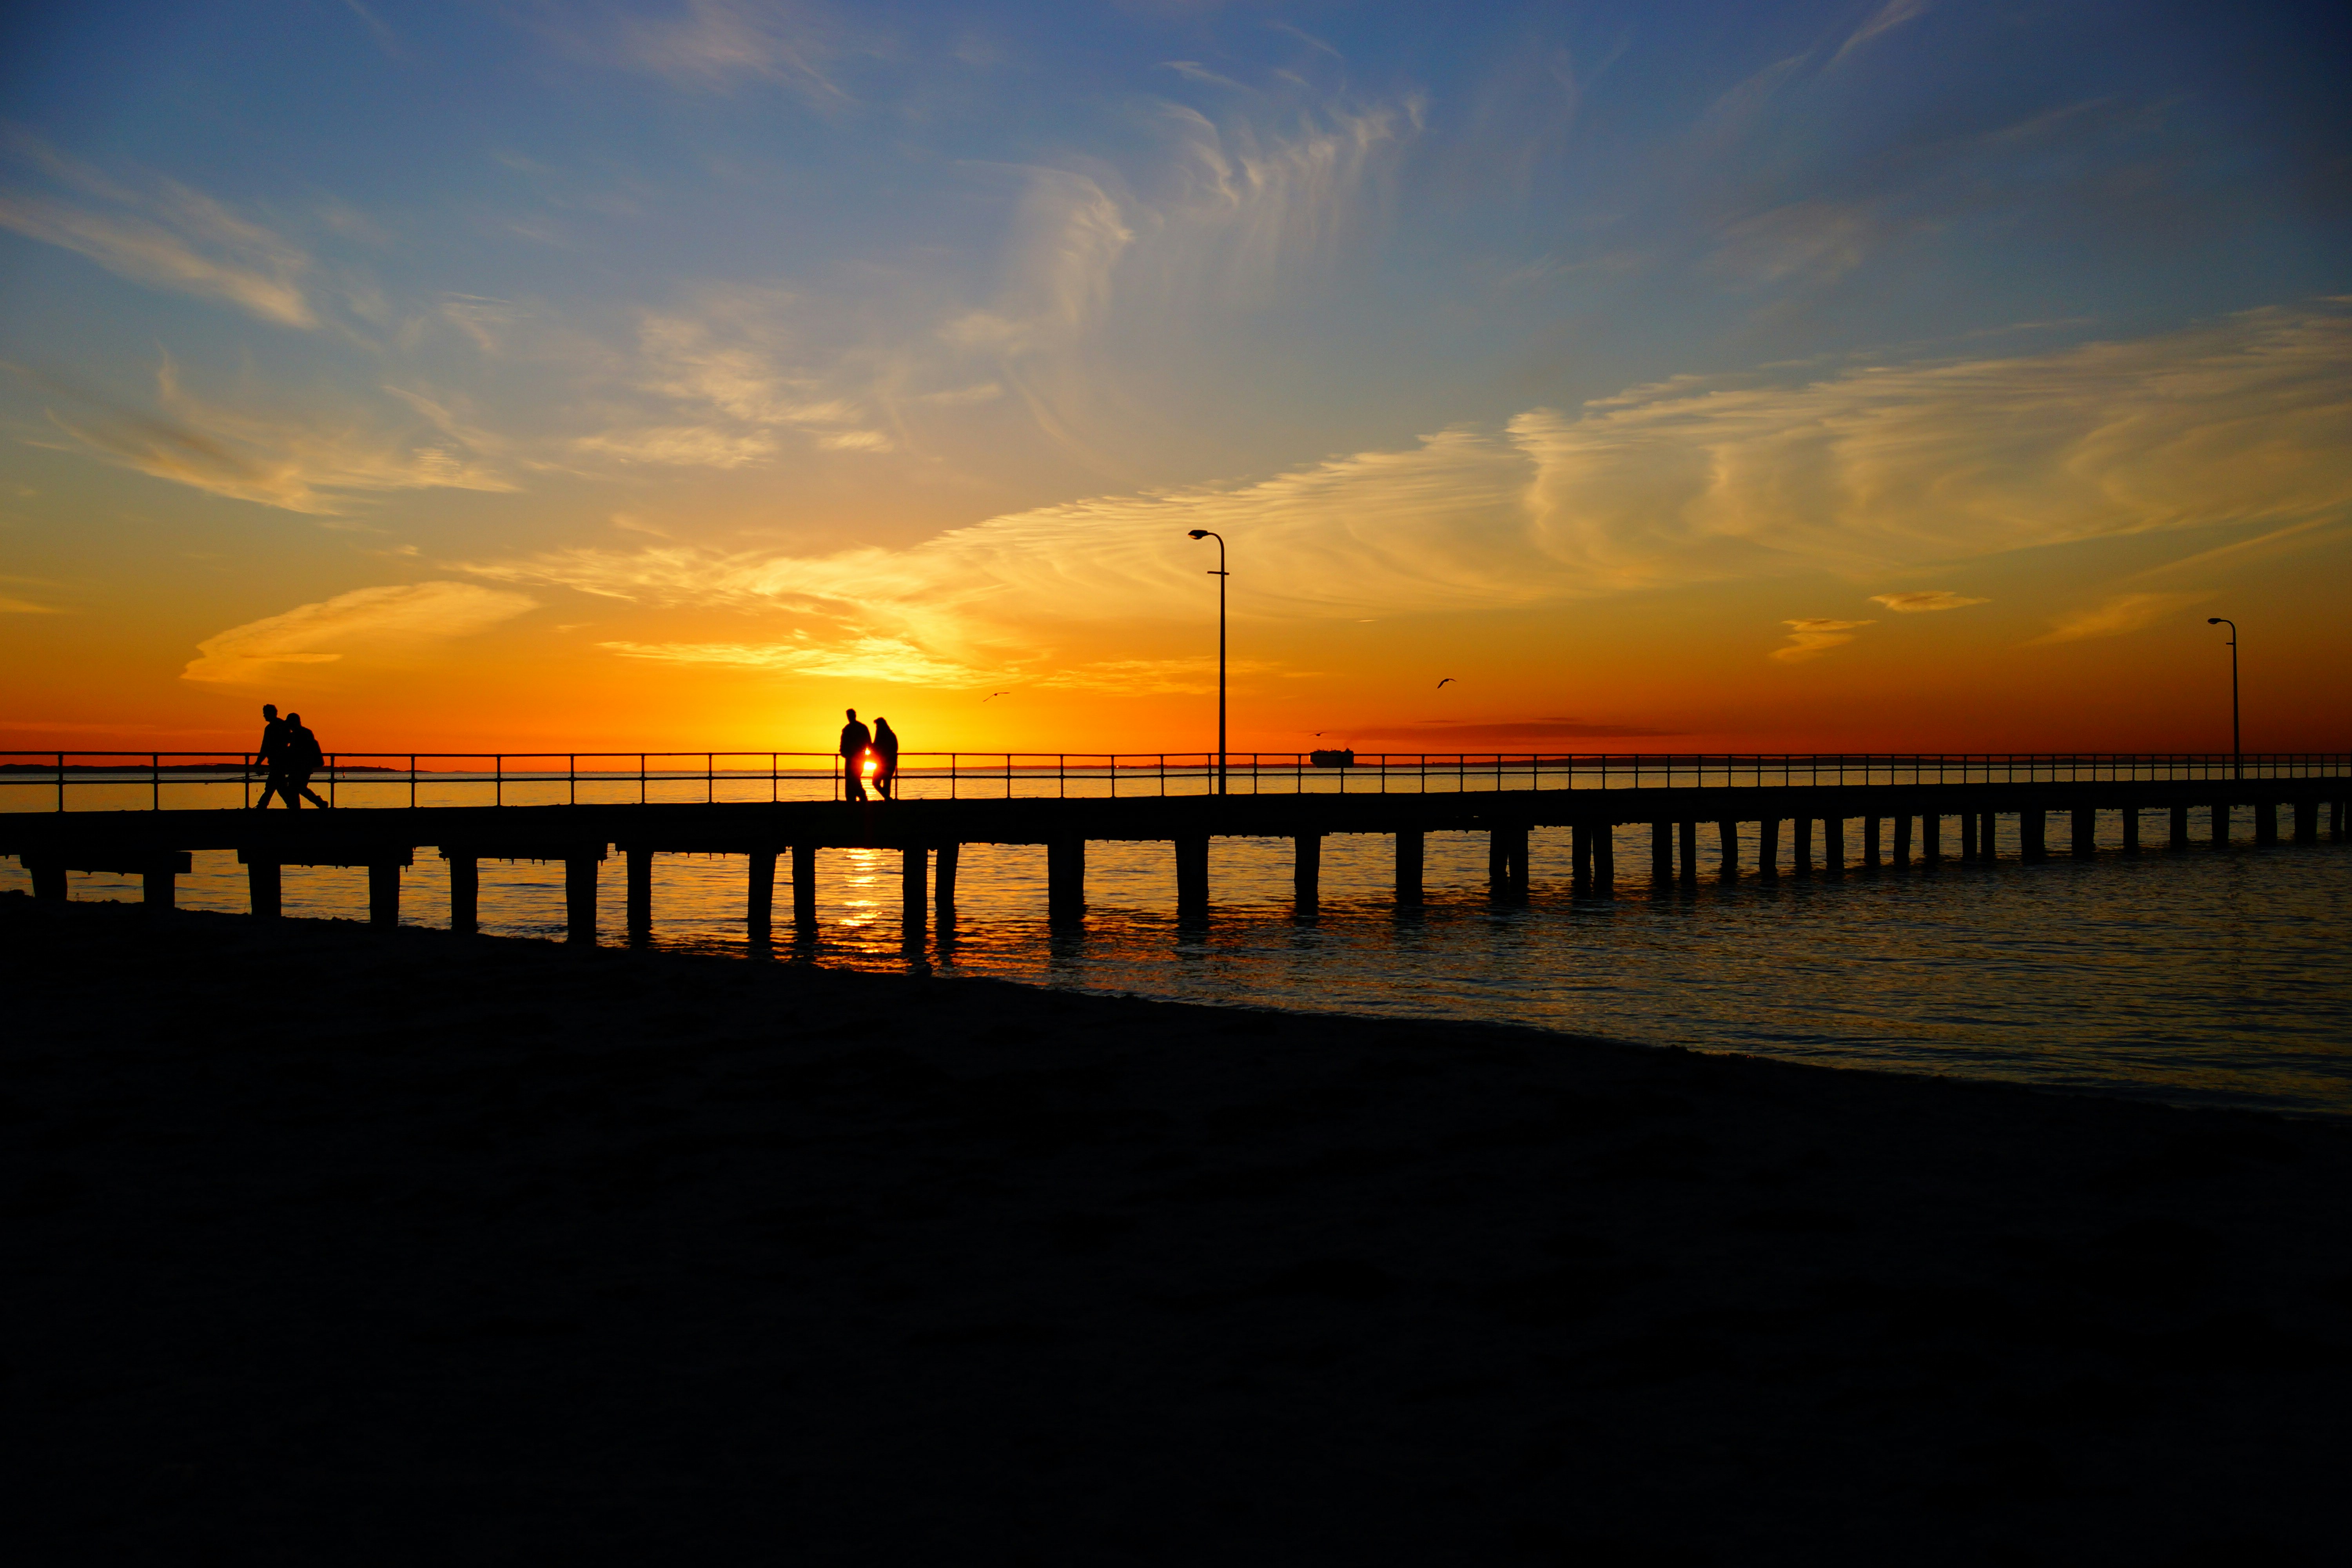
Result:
pixel 1887 374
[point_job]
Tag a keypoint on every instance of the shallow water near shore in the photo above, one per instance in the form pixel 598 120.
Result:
pixel 2196 976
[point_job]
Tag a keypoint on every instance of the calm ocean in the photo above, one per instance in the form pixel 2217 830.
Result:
pixel 2201 976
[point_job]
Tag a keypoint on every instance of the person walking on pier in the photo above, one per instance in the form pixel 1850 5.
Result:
pixel 303 758
pixel 886 753
pixel 271 755
pixel 855 740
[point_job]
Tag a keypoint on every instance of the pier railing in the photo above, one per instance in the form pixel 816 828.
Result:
pixel 126 780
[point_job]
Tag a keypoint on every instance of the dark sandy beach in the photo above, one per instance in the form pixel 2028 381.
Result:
pixel 329 1247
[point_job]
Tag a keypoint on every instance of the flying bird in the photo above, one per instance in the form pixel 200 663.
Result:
pixel 993 697
pixel 1444 683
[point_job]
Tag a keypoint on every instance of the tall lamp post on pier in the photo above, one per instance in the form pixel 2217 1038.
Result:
pixel 2237 750
pixel 1220 575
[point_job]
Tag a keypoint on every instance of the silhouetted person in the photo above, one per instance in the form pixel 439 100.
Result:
pixel 855 740
pixel 885 753
pixel 271 754
pixel 303 758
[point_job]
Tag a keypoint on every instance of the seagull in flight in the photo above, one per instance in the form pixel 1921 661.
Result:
pixel 1444 683
pixel 993 697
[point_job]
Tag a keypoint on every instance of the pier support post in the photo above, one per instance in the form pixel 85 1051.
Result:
pixel 1767 848
pixel 1409 856
pixel 2131 830
pixel 2179 828
pixel 2033 835
pixel 1728 844
pixel 1662 852
pixel 1931 840
pixel 1801 850
pixel 805 888
pixel 383 893
pixel 579 899
pixel 2266 822
pixel 1580 839
pixel 1989 835
pixel 1967 836
pixel 1506 864
pixel 2221 825
pixel 1689 837
pixel 760 895
pixel 465 893
pixel 158 888
pixel 914 875
pixel 1604 861
pixel 1902 856
pixel 641 894
pixel 2336 821
pixel 48 877
pixel 1065 879
pixel 1193 874
pixel 943 881
pixel 1306 872
pixel 1832 845
pixel 2087 832
pixel 2307 822
pixel 1870 832
pixel 261 884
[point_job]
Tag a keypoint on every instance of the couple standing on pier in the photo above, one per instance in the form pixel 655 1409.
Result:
pixel 291 754
pixel 868 755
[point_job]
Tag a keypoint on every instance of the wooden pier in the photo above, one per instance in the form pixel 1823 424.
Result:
pixel 1903 825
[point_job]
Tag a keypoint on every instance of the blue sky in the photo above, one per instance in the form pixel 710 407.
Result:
pixel 728 333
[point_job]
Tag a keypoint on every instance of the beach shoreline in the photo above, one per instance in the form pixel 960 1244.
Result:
pixel 376 1246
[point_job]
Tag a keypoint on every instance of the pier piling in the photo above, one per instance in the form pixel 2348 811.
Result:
pixel 1870 832
pixel 262 888
pixel 1931 840
pixel 465 891
pixel 759 894
pixel 1066 879
pixel 1409 854
pixel 804 889
pixel 383 892
pixel 1727 843
pixel 1306 872
pixel 943 885
pixel 2178 828
pixel 2034 835
pixel 2221 825
pixel 1582 857
pixel 1604 863
pixel 1192 875
pixel 1967 836
pixel 2131 830
pixel 1662 852
pixel 2085 838
pixel 1902 856
pixel 1801 851
pixel 580 897
pixel 2307 822
pixel 1689 836
pixel 2266 822
pixel 640 900
pixel 914 879
pixel 1833 846
pixel 1767 848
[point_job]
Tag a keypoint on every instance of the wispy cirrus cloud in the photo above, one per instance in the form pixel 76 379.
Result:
pixel 2120 614
pixel 166 236
pixel 388 620
pixel 315 462
pixel 1812 636
pixel 2248 420
pixel 1925 601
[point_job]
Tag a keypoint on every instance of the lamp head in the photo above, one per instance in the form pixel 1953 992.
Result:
pixel 1197 533
pixel 2212 620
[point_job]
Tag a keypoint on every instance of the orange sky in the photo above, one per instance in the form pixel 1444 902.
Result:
pixel 1842 385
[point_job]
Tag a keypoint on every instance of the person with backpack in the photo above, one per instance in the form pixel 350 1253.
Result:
pixel 302 758
pixel 885 753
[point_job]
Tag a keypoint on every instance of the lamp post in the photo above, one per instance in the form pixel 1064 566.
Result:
pixel 1220 575
pixel 2237 749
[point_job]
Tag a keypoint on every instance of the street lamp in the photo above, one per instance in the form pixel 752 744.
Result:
pixel 1220 575
pixel 2237 751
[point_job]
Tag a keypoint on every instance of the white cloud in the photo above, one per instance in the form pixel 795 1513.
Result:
pixel 310 462
pixel 2248 420
pixel 395 619
pixel 1812 637
pixel 717 43
pixel 878 659
pixel 1922 601
pixel 1891 15
pixel 2114 618
pixel 149 253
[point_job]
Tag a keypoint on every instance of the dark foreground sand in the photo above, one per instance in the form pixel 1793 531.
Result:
pixel 325 1248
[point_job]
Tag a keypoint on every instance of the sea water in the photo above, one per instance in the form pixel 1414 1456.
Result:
pixel 2199 975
